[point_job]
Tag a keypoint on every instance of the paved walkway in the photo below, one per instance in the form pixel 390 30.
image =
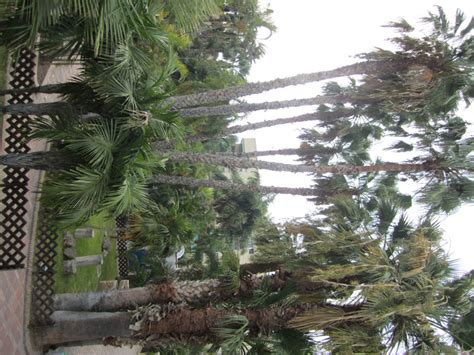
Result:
pixel 11 311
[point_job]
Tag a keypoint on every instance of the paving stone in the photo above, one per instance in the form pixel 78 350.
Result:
pixel 11 311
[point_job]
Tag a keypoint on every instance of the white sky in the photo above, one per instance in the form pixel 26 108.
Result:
pixel 318 35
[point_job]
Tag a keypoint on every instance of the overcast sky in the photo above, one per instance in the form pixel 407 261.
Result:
pixel 318 35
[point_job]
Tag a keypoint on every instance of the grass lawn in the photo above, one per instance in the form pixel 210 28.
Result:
pixel 86 278
pixel 3 77
pixel 3 67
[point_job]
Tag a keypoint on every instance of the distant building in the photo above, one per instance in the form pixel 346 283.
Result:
pixel 246 146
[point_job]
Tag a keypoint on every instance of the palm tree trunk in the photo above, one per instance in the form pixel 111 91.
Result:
pixel 73 327
pixel 315 116
pixel 286 151
pixel 342 169
pixel 45 89
pixel 229 110
pixel 226 94
pixel 228 185
pixel 37 109
pixel 255 268
pixel 248 268
pixel 45 160
pixel 201 322
pixel 108 301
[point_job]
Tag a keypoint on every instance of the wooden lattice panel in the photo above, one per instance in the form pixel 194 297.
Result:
pixel 15 182
pixel 121 228
pixel 43 272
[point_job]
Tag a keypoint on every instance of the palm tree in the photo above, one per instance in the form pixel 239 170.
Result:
pixel 232 282
pixel 191 292
pixel 222 95
pixel 447 155
pixel 232 36
pixel 435 66
pixel 229 110
pixel 459 324
pixel 160 323
pixel 226 94
pixel 343 169
pixel 449 162
pixel 443 59
pixel 400 277
pixel 227 185
pixel 320 115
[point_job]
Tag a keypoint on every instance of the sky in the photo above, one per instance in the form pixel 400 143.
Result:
pixel 320 35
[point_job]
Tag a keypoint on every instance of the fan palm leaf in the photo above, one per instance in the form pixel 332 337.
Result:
pixel 130 195
pixel 98 143
pixel 76 194
pixel 189 15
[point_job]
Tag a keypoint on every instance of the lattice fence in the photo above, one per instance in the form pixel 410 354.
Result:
pixel 121 223
pixel 15 182
pixel 43 272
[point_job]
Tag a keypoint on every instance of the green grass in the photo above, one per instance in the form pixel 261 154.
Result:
pixel 86 278
pixel 3 67
pixel 3 78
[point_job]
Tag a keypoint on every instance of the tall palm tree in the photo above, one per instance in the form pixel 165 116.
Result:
pixel 320 115
pixel 185 322
pixel 400 278
pixel 230 283
pixel 443 58
pixel 223 95
pixel 436 66
pixel 191 292
pixel 343 169
pixel 228 185
pixel 447 155
pixel 448 162
pixel 229 110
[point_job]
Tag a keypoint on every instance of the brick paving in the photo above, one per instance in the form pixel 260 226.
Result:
pixel 11 311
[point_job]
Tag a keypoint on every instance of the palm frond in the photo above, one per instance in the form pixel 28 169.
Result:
pixel 190 15
pixel 98 143
pixel 77 194
pixel 128 196
pixel 233 331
